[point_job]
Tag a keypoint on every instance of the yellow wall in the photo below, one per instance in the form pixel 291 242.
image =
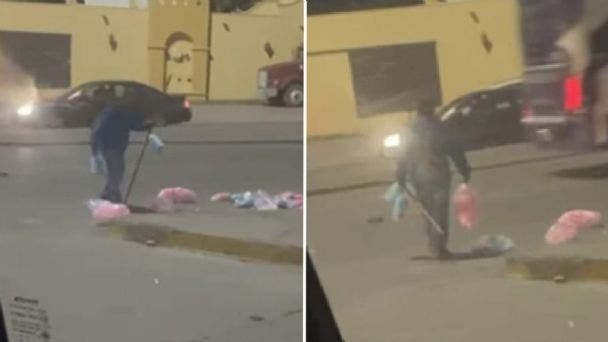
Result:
pixel 190 17
pixel 463 63
pixel 92 58
pixel 237 46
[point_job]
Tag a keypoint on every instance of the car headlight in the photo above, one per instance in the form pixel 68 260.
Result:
pixel 25 110
pixel 392 141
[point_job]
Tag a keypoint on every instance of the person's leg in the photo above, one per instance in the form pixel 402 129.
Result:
pixel 115 165
pixel 435 200
pixel 441 215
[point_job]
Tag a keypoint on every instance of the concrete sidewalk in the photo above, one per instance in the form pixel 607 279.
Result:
pixel 244 113
pixel 354 162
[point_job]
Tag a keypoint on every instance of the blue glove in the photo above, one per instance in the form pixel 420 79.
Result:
pixel 97 164
pixel 156 143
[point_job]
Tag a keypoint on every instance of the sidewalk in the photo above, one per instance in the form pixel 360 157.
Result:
pixel 244 113
pixel 352 162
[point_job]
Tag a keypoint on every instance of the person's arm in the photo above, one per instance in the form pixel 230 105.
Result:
pixel 94 138
pixel 140 124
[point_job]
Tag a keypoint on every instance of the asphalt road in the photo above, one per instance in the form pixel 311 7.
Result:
pixel 95 288
pixel 379 294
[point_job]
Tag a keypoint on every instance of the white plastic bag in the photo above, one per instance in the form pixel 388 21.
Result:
pixel 96 164
pixel 156 143
pixel 263 201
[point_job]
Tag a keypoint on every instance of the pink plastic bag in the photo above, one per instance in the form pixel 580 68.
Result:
pixel 105 212
pixel 570 224
pixel 177 195
pixel 221 197
pixel 467 206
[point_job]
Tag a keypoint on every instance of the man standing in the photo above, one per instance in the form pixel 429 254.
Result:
pixel 424 164
pixel 110 138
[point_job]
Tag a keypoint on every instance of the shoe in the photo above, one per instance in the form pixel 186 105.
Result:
pixel 443 254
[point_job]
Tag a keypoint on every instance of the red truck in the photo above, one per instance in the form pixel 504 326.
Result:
pixel 282 83
pixel 565 92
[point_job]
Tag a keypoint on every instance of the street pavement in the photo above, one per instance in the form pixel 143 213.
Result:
pixel 379 294
pixel 98 288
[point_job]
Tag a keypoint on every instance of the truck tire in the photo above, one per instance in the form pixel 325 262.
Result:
pixel 293 96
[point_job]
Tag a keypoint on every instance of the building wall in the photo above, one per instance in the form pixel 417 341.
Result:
pixel 464 63
pixel 92 55
pixel 187 21
pixel 238 46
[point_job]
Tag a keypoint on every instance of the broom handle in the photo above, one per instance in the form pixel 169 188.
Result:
pixel 424 212
pixel 138 164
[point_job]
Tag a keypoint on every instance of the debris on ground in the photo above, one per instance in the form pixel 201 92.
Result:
pixel 567 227
pixel 375 219
pixel 261 200
pixel 163 205
pixel 105 211
pixel 178 195
pixel 559 279
pixel 221 197
pixel 493 245
pixel 466 204
pixel 256 318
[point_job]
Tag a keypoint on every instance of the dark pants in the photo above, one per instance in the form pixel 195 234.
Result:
pixel 435 198
pixel 115 170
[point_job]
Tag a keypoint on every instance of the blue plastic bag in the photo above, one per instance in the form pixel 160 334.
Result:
pixel 157 144
pixel 96 164
pixel 398 200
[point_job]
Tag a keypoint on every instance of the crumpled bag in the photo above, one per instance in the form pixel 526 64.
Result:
pixel 567 227
pixel 106 212
pixel 164 205
pixel 493 245
pixel 221 197
pixel 177 195
pixel 289 200
pixel 263 202
pixel 243 201
pixel 466 203
pixel 157 144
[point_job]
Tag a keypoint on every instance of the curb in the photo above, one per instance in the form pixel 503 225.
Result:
pixel 168 237
pixel 558 269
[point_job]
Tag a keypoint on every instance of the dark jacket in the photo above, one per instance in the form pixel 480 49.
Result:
pixel 427 146
pixel 112 126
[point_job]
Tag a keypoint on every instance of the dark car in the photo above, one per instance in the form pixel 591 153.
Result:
pixel 282 84
pixel 490 117
pixel 79 106
pixel 485 118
